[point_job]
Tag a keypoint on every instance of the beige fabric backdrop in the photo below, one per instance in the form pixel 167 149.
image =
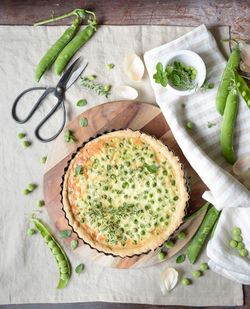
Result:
pixel 28 272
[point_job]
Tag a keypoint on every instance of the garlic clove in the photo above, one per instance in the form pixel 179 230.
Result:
pixel 242 167
pixel 133 67
pixel 168 280
pixel 126 92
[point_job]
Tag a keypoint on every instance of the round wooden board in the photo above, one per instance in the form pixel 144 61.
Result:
pixel 105 117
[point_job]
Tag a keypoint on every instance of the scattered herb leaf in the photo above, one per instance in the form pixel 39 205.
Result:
pixel 74 244
pixel 83 122
pixel 183 105
pixel 65 233
pixel 79 269
pixel 181 258
pixel 68 137
pixel 81 103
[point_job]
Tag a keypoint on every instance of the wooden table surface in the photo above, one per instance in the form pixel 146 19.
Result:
pixel 233 13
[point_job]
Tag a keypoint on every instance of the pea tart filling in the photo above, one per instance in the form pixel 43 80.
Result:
pixel 124 193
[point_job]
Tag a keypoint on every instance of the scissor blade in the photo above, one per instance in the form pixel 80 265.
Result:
pixel 66 75
pixel 76 74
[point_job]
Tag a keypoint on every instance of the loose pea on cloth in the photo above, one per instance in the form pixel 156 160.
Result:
pixel 201 146
pixel 28 271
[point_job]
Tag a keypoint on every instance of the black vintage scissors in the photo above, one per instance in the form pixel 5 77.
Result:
pixel 64 83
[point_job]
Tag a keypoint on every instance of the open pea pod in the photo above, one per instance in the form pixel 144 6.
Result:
pixel 242 88
pixel 57 251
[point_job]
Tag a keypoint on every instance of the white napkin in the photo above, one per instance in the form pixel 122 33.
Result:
pixel 224 259
pixel 201 146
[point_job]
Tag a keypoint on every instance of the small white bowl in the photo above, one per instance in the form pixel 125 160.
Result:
pixel 189 58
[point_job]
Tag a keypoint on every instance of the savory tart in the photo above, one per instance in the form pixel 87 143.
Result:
pixel 124 193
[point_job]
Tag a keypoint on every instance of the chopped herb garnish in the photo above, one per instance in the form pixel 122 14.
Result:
pixel 151 168
pixel 78 170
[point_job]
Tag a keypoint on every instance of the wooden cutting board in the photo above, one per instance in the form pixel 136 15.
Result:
pixel 105 117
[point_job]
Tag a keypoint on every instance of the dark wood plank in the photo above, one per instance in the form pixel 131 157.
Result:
pixel 234 13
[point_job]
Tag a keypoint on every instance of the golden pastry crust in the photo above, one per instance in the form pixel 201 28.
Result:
pixel 124 193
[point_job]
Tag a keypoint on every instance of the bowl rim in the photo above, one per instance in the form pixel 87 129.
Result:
pixel 186 52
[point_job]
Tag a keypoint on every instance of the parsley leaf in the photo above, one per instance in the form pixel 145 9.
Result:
pixel 81 103
pixel 151 168
pixel 79 269
pixel 78 170
pixel 74 244
pixel 68 137
pixel 83 122
pixel 65 233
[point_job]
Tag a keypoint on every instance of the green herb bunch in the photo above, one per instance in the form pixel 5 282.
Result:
pixel 98 88
pixel 183 77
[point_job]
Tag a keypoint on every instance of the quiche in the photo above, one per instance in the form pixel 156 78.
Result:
pixel 124 193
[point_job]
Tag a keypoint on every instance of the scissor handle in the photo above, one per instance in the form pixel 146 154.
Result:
pixel 37 134
pixel 34 108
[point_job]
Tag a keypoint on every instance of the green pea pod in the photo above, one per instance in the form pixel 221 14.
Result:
pixel 57 251
pixel 227 128
pixel 201 234
pixel 50 56
pixel 200 210
pixel 69 50
pixel 242 88
pixel 226 81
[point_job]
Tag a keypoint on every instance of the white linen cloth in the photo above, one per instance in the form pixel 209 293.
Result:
pixel 28 271
pixel 201 146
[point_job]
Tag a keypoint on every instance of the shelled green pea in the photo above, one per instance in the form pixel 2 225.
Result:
pixel 237 242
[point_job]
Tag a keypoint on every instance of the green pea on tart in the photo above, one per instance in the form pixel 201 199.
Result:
pixel 124 193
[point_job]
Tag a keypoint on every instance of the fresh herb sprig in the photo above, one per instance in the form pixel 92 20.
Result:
pixel 180 76
pixel 97 87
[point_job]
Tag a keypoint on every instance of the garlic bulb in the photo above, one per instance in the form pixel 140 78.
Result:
pixel 168 280
pixel 126 92
pixel 245 56
pixel 242 167
pixel 133 67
